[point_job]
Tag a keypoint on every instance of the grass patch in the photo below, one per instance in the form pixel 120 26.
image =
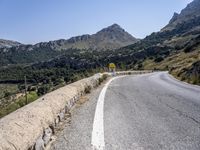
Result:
pixel 176 64
pixel 8 88
pixel 32 96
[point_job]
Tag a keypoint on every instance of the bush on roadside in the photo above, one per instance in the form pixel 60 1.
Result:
pixel 105 76
pixel 100 81
pixel 88 89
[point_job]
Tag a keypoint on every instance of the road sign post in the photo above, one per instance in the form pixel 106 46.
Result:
pixel 25 85
pixel 112 68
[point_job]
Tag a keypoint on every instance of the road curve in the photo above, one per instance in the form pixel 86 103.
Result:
pixel 145 112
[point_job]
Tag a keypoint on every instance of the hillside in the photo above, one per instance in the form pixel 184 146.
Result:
pixel 108 38
pixel 176 50
pixel 183 61
pixel 190 12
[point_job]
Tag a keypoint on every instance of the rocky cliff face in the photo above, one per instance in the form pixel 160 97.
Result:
pixel 192 11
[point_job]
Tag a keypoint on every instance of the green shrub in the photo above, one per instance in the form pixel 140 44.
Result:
pixel 8 109
pixel 32 96
pixel 88 89
pixel 187 50
pixel 140 66
pixel 100 81
pixel 7 94
pixel 105 76
pixel 43 90
pixel 159 59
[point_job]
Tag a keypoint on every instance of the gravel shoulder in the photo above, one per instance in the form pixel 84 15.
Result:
pixel 77 132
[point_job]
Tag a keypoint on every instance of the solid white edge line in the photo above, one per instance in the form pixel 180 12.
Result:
pixel 98 142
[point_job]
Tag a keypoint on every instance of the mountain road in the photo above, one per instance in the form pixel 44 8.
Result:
pixel 139 112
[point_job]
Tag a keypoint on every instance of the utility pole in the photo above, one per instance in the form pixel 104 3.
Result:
pixel 25 84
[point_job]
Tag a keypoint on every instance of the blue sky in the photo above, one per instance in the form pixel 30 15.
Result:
pixel 32 21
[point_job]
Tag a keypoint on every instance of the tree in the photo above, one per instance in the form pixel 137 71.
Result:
pixel 43 90
pixel 7 94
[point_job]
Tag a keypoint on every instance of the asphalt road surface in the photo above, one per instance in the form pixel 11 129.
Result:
pixel 140 112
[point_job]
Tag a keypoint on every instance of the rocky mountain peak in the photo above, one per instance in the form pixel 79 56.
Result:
pixel 174 18
pixel 112 29
pixel 111 37
pixel 190 12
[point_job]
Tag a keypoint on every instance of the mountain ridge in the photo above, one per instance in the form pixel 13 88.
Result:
pixel 111 37
pixel 8 43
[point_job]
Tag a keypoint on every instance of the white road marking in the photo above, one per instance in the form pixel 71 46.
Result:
pixel 98 124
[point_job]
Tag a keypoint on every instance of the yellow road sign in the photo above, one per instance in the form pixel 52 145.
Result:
pixel 112 66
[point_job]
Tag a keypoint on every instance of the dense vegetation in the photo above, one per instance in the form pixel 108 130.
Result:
pixel 75 63
pixel 20 102
pixel 26 54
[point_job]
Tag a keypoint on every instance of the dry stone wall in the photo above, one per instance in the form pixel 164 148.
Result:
pixel 32 126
